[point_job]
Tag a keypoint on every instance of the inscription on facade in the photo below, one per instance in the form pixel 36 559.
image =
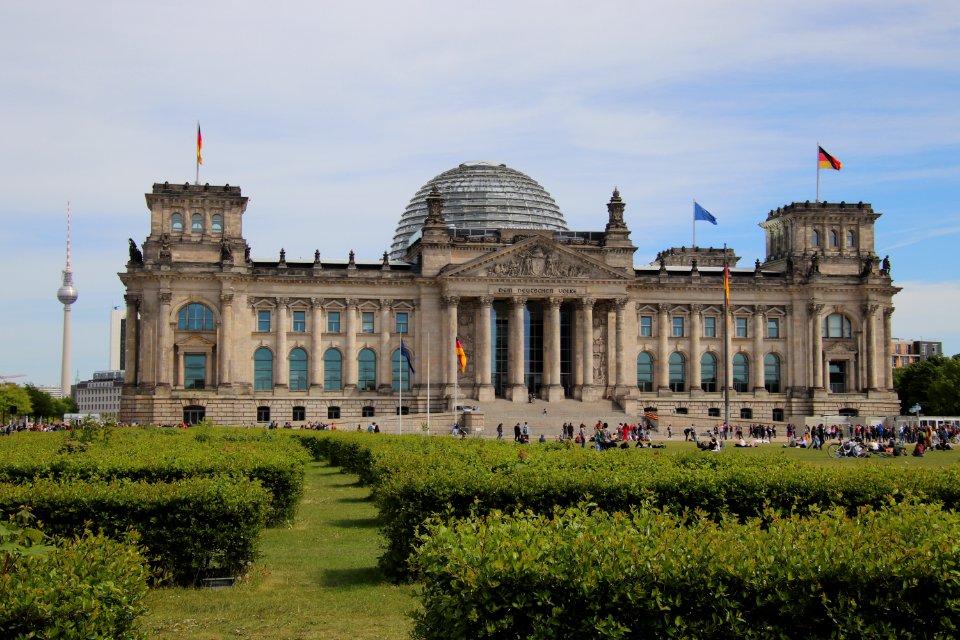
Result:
pixel 544 291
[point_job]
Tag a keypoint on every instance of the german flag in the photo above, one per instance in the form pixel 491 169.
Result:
pixel 827 161
pixel 461 356
pixel 200 145
pixel 726 284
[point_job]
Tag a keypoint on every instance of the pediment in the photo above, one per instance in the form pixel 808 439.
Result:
pixel 536 258
pixel 839 347
pixel 196 341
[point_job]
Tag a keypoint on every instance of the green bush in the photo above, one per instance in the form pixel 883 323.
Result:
pixel 78 588
pixel 152 454
pixel 191 528
pixel 582 572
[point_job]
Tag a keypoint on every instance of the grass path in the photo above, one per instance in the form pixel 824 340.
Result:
pixel 318 579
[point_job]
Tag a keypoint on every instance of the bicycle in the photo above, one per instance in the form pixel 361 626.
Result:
pixel 847 449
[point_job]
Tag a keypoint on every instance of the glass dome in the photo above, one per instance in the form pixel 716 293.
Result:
pixel 481 195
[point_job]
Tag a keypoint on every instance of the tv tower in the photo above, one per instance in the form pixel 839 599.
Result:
pixel 67 295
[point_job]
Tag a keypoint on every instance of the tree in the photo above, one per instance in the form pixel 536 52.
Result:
pixel 44 405
pixel 933 383
pixel 14 401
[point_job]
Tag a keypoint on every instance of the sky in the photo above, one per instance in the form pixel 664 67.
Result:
pixel 330 116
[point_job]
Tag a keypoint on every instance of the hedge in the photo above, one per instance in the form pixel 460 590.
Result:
pixel 583 572
pixel 153 454
pixel 75 589
pixel 191 529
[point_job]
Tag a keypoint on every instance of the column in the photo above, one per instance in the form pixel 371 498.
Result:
pixel 164 344
pixel 696 319
pixel 449 345
pixel 518 387
pixel 586 308
pixel 226 341
pixel 870 310
pixel 887 348
pixel 663 355
pixel 350 357
pixel 316 335
pixel 484 378
pixel 816 334
pixel 620 367
pixel 281 368
pixel 552 344
pixel 385 370
pixel 131 357
pixel 759 317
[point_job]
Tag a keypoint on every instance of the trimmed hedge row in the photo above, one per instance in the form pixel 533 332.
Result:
pixel 152 454
pixel 891 573
pixel 416 478
pixel 81 588
pixel 191 528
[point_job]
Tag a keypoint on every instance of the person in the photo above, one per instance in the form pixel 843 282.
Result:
pixel 526 432
pixel 743 443
pixel 542 439
pixel 669 432
pixel 516 433
pixel 500 431
pixel 583 435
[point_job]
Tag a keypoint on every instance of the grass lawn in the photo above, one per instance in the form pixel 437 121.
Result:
pixel 318 579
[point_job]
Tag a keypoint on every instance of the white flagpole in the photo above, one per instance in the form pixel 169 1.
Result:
pixel 400 402
pixel 428 383
pixel 818 172
pixel 694 223
pixel 456 386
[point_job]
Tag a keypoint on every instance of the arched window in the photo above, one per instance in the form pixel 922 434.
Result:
pixel 836 325
pixel 367 370
pixel 332 371
pixel 195 317
pixel 771 372
pixel 834 243
pixel 196 223
pixel 216 223
pixel 645 371
pixel 708 372
pixel 262 369
pixel 741 373
pixel 400 370
pixel 816 238
pixel 176 223
pixel 851 240
pixel 678 371
pixel 298 370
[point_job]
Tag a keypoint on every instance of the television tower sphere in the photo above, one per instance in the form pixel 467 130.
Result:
pixel 67 293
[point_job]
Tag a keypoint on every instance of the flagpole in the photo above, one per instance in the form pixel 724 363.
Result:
pixel 428 383
pixel 400 402
pixel 197 178
pixel 694 223
pixel 726 339
pixel 456 388
pixel 818 172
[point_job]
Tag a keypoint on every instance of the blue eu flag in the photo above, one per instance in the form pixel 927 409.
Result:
pixel 406 354
pixel 699 213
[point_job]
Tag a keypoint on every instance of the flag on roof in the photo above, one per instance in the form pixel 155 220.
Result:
pixel 827 161
pixel 699 213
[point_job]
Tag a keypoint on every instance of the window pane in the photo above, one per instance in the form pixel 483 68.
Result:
pixel 176 223
pixel 402 322
pixel 741 373
pixel 678 327
pixel 710 327
pixel 678 372
pixel 333 321
pixel 646 326
pixel 194 370
pixel 771 373
pixel 366 321
pixel 332 371
pixel 367 370
pixel 645 372
pixel 216 224
pixel 741 327
pixel 400 370
pixel 299 414
pixel 263 321
pixel 195 317
pixel 263 414
pixel 773 327
pixel 299 321
pixel 196 223
pixel 298 370
pixel 263 369
pixel 708 372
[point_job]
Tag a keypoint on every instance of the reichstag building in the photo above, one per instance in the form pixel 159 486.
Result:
pixel 482 252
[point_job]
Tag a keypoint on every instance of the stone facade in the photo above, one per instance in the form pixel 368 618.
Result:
pixel 558 314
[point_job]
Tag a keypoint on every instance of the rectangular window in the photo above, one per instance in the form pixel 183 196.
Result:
pixel 366 322
pixel 403 322
pixel 773 327
pixel 709 327
pixel 263 321
pixel 263 414
pixel 333 321
pixel 678 327
pixel 299 321
pixel 194 370
pixel 741 327
pixel 646 326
